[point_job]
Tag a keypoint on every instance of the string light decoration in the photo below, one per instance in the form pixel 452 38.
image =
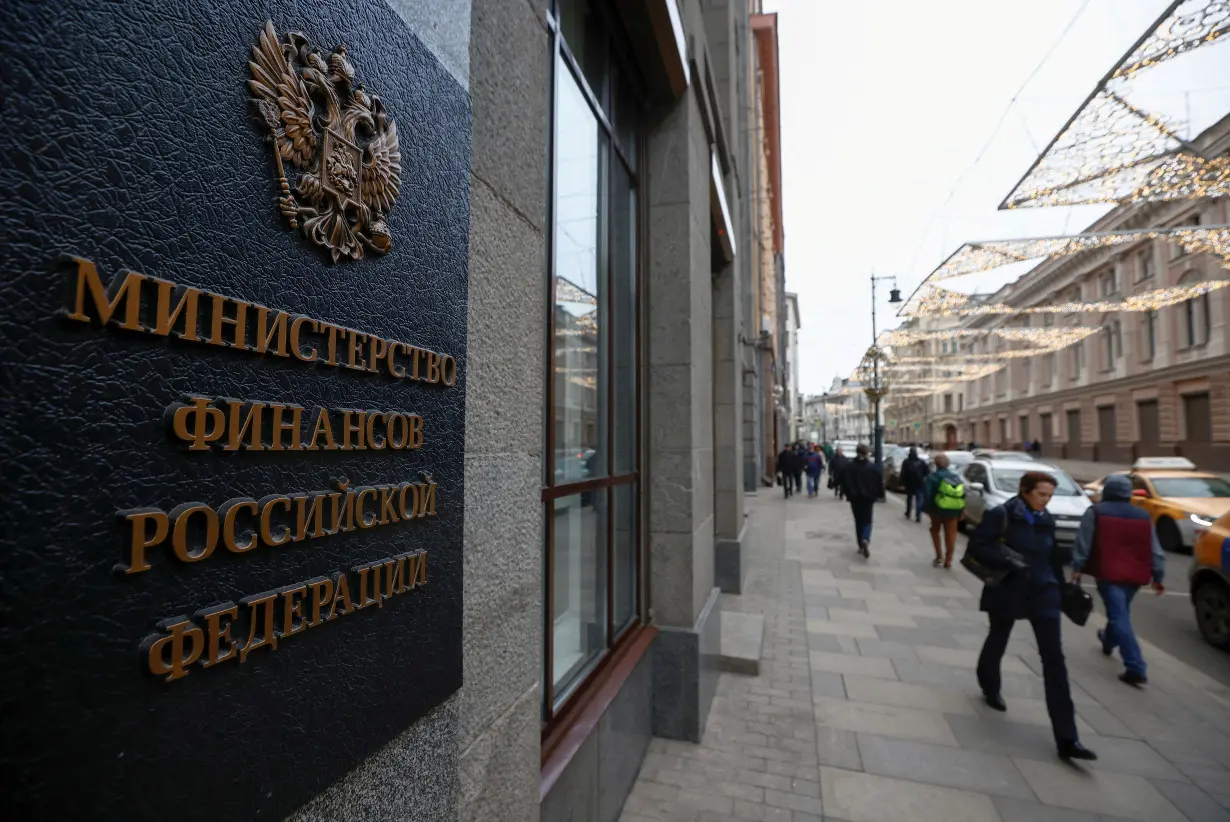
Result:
pixel 941 302
pixel 1041 340
pixel 872 374
pixel 1112 151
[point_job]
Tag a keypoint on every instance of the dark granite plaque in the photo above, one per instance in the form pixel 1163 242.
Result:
pixel 129 138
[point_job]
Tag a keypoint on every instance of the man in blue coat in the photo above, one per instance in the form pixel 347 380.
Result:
pixel 1117 544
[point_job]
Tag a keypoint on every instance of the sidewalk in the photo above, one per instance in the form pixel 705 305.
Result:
pixel 866 708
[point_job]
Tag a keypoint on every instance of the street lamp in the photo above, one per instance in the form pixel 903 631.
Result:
pixel 894 297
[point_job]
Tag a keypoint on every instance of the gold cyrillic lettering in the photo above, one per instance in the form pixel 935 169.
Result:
pixel 216 633
pixel 416 432
pixel 403 510
pixel 364 601
pixel 267 535
pixel 294 427
pixel 426 499
pixel 180 518
pixel 379 347
pixel 330 332
pixel 343 508
pixel 140 539
pixel 392 577
pixel 415 354
pixel 433 368
pixel 323 425
pixel 372 443
pixel 218 318
pixel 416 569
pixel 266 334
pixel 309 516
pixel 292 610
pixel 353 423
pixel 354 359
pixel 448 370
pixel 236 429
pixel 393 368
pixel 296 349
pixel 187 308
pixel 197 424
pixel 124 289
pixel 341 592
pixel 269 636
pixel 397 420
pixel 361 519
pixel 322 595
pixel 228 512
pixel 388 504
pixel 167 655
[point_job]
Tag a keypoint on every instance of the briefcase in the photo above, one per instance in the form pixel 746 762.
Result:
pixel 1077 604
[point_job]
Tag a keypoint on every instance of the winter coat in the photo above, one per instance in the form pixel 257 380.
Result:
pixel 1031 592
pixel 814 463
pixel 913 473
pixel 836 464
pixel 785 462
pixel 1117 541
pixel 861 481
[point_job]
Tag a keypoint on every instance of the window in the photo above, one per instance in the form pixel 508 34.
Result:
pixel 948 403
pixel 1077 359
pixel 961 402
pixel 1112 343
pixel 1195 314
pixel 1048 370
pixel 591 541
pixel 1144 265
pixel 1108 283
pixel 1149 327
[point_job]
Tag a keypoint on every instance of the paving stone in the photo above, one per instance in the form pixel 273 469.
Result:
pixel 828 684
pixel 916 636
pixel 852 664
pixel 1005 737
pixel 941 765
pixel 1103 721
pixel 842 628
pixel 1197 805
pixel 886 720
pixel 1020 810
pixel 905 609
pixel 838 748
pixel 883 648
pixel 861 797
pixel 1023 710
pixel 967 659
pixel 870 618
pixel 906 695
pixel 1069 786
pixel 951 591
pixel 1132 756
pixel 742 642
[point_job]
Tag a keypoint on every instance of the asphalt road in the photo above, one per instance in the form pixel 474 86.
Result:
pixel 1166 621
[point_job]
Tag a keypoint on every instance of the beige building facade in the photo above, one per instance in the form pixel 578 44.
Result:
pixel 1145 383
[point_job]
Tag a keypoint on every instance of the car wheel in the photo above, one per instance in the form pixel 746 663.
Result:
pixel 1212 603
pixel 1168 535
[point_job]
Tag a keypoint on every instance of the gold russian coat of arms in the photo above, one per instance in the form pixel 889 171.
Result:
pixel 337 135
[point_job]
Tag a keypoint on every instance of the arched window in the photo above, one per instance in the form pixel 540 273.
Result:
pixel 1195 315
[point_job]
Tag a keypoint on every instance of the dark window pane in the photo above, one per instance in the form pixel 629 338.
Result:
pixel 623 299
pixel 625 539
pixel 578 623
pixel 625 107
pixel 580 289
pixel 583 33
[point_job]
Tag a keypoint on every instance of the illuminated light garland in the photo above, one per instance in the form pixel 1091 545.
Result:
pixel 1112 151
pixel 1190 26
pixel 975 258
pixel 1047 339
pixel 941 302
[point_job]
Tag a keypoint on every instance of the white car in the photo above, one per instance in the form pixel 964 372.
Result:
pixel 992 482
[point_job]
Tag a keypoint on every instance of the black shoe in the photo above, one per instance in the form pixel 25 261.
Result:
pixel 1102 639
pixel 1071 749
pixel 1135 680
pixel 996 701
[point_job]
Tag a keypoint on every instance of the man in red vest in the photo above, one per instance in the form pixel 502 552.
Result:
pixel 1118 545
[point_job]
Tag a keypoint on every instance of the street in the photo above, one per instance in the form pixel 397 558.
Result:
pixel 1164 621
pixel 866 707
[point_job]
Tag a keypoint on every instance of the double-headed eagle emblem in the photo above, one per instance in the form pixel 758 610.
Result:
pixel 337 135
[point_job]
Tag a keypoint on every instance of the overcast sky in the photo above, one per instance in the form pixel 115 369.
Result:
pixel 886 105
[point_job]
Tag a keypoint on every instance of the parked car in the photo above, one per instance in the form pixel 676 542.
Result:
pixel 1179 497
pixel 992 482
pixel 846 446
pixel 1210 582
pixel 957 460
pixel 992 454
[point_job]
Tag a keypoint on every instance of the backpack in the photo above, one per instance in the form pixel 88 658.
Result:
pixel 950 497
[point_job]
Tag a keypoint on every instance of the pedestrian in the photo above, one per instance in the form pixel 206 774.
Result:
pixel 836 465
pixel 913 476
pixel 785 470
pixel 863 485
pixel 798 466
pixel 815 468
pixel 1033 592
pixel 944 498
pixel 1117 544
pixel 1037 449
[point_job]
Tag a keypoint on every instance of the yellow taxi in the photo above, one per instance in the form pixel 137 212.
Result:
pixel 1210 583
pixel 1182 500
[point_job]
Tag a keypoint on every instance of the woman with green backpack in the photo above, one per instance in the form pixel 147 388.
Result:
pixel 944 497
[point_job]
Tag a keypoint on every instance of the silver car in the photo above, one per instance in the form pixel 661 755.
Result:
pixel 992 482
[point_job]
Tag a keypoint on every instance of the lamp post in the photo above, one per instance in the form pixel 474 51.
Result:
pixel 894 297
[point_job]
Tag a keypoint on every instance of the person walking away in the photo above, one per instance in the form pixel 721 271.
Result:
pixel 944 498
pixel 862 484
pixel 836 466
pixel 815 467
pixel 913 475
pixel 799 465
pixel 1118 545
pixel 785 470
pixel 1034 593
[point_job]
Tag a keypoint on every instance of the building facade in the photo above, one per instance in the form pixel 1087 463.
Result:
pixel 793 397
pixel 1150 383
pixel 588 229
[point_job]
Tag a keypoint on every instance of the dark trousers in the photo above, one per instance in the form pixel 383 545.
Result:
pixel 863 510
pixel 787 484
pixel 798 482
pixel 1054 670
pixel 914 496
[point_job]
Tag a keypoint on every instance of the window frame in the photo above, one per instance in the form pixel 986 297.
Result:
pixel 556 718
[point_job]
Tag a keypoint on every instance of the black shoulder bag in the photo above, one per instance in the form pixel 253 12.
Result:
pixel 993 576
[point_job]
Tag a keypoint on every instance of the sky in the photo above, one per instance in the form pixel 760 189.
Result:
pixel 893 148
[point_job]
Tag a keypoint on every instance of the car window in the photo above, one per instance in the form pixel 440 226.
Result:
pixel 1008 480
pixel 1138 482
pixel 974 473
pixel 1191 487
